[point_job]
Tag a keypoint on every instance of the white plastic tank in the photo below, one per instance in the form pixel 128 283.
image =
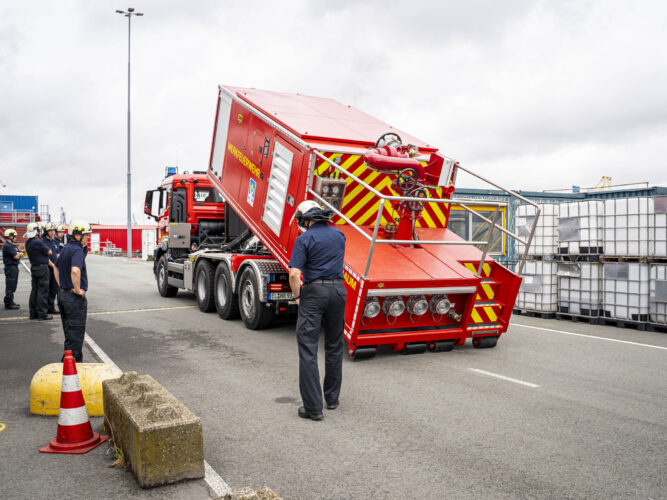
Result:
pixel 626 290
pixel 580 228
pixel 658 294
pixel 539 288
pixel 545 239
pixel 628 226
pixel 580 288
pixel 659 243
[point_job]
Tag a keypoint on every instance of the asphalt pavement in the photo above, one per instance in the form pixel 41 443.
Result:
pixel 557 410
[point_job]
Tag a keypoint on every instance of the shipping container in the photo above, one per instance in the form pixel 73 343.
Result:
pixel 116 236
pixel 18 203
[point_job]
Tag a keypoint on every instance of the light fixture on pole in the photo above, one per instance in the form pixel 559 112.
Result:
pixel 130 12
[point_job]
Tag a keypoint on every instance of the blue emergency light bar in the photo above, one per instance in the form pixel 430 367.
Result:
pixel 170 171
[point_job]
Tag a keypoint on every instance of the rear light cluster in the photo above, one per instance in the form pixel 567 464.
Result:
pixel 416 305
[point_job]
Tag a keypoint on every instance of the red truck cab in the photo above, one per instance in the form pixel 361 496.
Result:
pixel 190 199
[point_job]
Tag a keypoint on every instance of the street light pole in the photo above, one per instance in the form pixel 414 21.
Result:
pixel 130 12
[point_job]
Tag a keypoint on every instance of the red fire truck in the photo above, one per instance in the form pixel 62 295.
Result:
pixel 412 284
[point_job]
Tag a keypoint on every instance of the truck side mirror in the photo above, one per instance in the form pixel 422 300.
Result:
pixel 148 205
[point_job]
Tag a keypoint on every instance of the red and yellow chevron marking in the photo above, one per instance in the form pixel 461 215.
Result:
pixel 362 207
pixel 485 314
pixel 487 292
pixel 481 312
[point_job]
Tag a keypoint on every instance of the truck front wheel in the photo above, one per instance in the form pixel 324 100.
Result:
pixel 255 314
pixel 163 286
pixel 204 286
pixel 226 301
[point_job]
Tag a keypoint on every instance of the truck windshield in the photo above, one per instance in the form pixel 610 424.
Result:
pixel 207 195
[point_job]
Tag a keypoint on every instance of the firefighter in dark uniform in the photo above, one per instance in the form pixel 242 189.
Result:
pixel 49 239
pixel 60 236
pixel 10 258
pixel 318 253
pixel 73 280
pixel 38 253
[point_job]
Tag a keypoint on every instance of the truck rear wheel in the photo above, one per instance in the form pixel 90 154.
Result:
pixel 204 286
pixel 163 286
pixel 226 301
pixel 254 313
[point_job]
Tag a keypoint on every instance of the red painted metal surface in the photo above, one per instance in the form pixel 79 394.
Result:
pixel 116 236
pixel 322 119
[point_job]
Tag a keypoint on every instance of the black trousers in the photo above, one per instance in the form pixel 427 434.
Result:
pixel 320 304
pixel 11 281
pixel 73 312
pixel 53 290
pixel 39 294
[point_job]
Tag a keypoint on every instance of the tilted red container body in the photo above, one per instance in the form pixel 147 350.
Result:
pixel 265 160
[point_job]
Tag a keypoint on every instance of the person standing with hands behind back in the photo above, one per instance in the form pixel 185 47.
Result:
pixel 318 253
pixel 73 281
pixel 38 253
pixel 10 258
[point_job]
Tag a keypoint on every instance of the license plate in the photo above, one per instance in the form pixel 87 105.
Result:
pixel 280 295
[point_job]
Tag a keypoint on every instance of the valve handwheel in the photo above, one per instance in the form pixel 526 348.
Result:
pixel 407 179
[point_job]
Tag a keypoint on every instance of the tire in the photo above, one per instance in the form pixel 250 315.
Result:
pixel 163 287
pixel 204 286
pixel 226 301
pixel 254 313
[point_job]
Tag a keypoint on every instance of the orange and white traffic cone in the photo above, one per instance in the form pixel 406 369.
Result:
pixel 75 435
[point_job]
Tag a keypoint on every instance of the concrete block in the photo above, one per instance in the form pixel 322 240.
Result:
pixel 263 493
pixel 47 382
pixel 161 439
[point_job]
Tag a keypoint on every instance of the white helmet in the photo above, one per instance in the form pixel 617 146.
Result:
pixel 303 208
pixel 31 230
pixel 79 227
pixel 49 226
pixel 9 233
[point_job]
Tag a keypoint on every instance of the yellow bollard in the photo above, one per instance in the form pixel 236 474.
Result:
pixel 47 382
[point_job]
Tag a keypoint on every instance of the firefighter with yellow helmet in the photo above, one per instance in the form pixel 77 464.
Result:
pixel 10 258
pixel 73 281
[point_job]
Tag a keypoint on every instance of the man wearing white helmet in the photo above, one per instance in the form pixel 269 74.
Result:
pixel 38 253
pixel 73 280
pixel 10 258
pixel 49 239
pixel 60 236
pixel 318 254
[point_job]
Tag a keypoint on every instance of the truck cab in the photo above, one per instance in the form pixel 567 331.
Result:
pixel 185 203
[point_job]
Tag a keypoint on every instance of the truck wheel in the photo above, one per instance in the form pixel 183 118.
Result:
pixel 254 313
pixel 226 301
pixel 204 286
pixel 163 286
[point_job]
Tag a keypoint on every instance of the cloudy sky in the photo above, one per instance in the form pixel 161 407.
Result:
pixel 534 94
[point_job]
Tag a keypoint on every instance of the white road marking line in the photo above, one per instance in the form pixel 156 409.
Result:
pixel 589 336
pixel 99 352
pixel 503 377
pixel 217 484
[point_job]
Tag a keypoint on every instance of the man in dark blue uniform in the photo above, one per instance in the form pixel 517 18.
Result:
pixel 73 280
pixel 60 236
pixel 318 253
pixel 49 239
pixel 38 253
pixel 10 258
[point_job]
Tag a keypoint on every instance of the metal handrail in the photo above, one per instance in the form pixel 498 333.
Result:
pixel 538 211
pixel 374 239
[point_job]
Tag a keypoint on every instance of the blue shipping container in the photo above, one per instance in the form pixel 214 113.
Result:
pixel 9 203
